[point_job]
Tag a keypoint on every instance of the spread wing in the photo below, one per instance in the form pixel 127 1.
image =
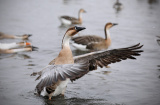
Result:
pixel 85 40
pixel 54 73
pixel 103 58
pixel 69 18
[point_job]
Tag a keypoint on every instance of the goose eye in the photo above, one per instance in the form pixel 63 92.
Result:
pixel 75 27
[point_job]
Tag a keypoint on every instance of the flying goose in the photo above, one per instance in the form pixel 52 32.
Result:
pixel 16 50
pixel 93 42
pixel 68 20
pixel 6 36
pixel 14 45
pixel 55 76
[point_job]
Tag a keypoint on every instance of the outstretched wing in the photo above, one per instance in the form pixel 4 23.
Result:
pixel 85 40
pixel 54 73
pixel 103 58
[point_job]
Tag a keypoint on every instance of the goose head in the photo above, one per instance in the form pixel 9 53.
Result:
pixel 69 33
pixel 26 36
pixel 109 25
pixel 31 48
pixel 82 11
pixel 24 43
pixel 74 30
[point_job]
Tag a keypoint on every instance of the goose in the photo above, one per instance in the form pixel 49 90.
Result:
pixel 68 20
pixel 118 6
pixel 93 42
pixel 6 36
pixel 56 75
pixel 25 49
pixel 14 45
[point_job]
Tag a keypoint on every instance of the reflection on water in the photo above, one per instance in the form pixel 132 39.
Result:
pixel 158 40
pixel 152 1
pixel 24 56
pixel 106 72
pixel 159 70
pixel 31 65
pixel 16 55
pixel 75 101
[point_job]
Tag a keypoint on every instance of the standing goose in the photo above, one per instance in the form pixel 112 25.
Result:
pixel 14 45
pixel 55 76
pixel 93 43
pixel 25 49
pixel 68 20
pixel 6 36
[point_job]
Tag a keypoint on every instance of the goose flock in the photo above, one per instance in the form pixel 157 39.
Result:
pixel 15 47
pixel 53 78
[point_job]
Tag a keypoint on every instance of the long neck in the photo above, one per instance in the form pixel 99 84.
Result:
pixel 80 16
pixel 65 46
pixel 9 46
pixel 65 55
pixel 18 37
pixel 20 50
pixel 8 36
pixel 65 41
pixel 107 33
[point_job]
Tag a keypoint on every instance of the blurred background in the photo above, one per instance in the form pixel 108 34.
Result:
pixel 130 82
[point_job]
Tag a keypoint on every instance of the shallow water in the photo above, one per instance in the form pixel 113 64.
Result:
pixel 130 82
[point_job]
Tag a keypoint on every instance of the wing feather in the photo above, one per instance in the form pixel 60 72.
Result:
pixel 85 40
pixel 54 73
pixel 103 58
pixel 69 18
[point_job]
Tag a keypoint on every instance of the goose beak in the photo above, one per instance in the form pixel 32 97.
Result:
pixel 114 24
pixel 34 48
pixel 79 28
pixel 29 35
pixel 28 44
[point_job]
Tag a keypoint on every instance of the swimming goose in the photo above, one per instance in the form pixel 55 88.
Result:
pixel 93 43
pixel 14 45
pixel 67 20
pixel 25 49
pixel 55 76
pixel 6 36
pixel 118 6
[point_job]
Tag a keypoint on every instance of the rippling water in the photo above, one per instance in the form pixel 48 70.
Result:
pixel 131 82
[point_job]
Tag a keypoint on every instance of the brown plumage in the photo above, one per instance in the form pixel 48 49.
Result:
pixel 55 76
pixel 16 50
pixel 68 20
pixel 93 42
pixel 103 58
pixel 7 36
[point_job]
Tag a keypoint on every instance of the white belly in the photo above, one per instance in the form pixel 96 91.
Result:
pixel 8 45
pixel 58 90
pixel 64 21
pixel 79 46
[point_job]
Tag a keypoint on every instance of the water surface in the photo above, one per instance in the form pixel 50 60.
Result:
pixel 130 82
